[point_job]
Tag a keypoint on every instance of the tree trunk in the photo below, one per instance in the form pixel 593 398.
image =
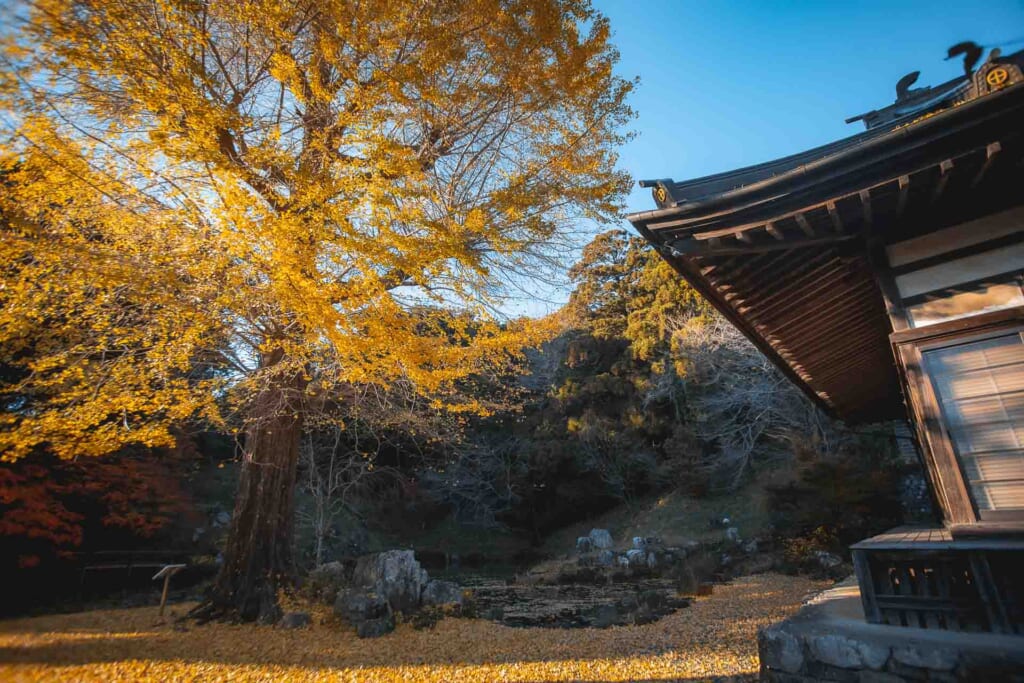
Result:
pixel 320 525
pixel 258 552
pixel 318 557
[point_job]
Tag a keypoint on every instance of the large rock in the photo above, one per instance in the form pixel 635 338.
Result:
pixel 355 605
pixel 601 538
pixel 647 542
pixel 584 544
pixel 327 580
pixel 367 611
pixel 394 575
pixel 780 649
pixel 636 557
pixel 605 558
pixel 330 571
pixel 442 594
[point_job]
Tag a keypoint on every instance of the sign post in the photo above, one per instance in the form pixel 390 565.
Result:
pixel 166 573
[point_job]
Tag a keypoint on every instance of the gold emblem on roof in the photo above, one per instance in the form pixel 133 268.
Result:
pixel 996 77
pixel 660 194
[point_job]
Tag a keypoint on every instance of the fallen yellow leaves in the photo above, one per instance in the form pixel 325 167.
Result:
pixel 716 636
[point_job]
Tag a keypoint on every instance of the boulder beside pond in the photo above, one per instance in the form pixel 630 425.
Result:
pixel 383 584
pixel 636 557
pixel 367 611
pixel 324 582
pixel 442 594
pixel 601 538
pixel 647 542
pixel 395 575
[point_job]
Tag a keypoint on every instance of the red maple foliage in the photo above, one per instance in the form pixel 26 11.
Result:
pixel 49 507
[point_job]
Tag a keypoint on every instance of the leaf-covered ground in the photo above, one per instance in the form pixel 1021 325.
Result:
pixel 716 636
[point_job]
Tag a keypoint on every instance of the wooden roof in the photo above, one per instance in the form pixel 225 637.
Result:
pixel 785 249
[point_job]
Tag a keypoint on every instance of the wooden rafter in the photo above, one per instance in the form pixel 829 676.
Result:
pixel 833 214
pixel 801 220
pixel 901 206
pixel 865 203
pixel 945 171
pixel 991 152
pixel 769 254
pixel 715 246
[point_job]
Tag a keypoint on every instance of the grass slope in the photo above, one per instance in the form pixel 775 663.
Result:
pixel 672 516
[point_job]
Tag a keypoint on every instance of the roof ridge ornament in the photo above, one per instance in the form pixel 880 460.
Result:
pixel 903 90
pixel 980 78
pixel 997 72
pixel 662 191
pixel 970 50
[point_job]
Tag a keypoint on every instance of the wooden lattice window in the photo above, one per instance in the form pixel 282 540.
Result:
pixel 979 388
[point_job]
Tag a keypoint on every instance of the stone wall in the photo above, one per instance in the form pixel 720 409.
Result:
pixel 788 657
pixel 828 640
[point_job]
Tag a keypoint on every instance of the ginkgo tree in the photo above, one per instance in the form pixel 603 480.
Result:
pixel 291 194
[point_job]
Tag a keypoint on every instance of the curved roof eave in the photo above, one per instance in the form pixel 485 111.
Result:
pixel 944 122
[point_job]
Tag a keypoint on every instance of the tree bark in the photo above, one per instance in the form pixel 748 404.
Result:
pixel 258 552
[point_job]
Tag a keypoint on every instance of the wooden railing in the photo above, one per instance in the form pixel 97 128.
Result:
pixel 137 566
pixel 923 578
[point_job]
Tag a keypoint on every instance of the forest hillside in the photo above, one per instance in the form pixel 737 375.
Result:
pixel 645 414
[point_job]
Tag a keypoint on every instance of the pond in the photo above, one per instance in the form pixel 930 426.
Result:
pixel 573 605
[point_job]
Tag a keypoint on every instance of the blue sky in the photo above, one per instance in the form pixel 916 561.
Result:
pixel 729 84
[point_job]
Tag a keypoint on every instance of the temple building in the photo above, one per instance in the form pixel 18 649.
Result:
pixel 884 275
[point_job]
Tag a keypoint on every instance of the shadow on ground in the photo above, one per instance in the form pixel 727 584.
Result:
pixel 716 635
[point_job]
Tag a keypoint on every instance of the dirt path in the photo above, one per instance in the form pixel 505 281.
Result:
pixel 715 636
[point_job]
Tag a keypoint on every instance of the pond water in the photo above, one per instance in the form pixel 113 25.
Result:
pixel 574 605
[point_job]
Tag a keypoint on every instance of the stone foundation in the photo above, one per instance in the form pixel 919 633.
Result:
pixel 829 640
